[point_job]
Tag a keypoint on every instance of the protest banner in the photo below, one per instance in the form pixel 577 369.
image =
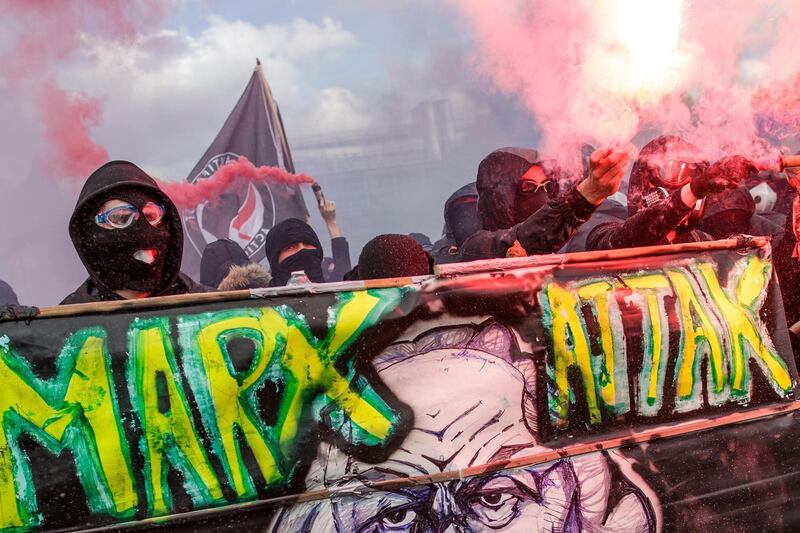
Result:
pixel 635 390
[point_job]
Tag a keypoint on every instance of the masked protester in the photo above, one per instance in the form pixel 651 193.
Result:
pixel 218 259
pixel 393 256
pixel 128 235
pixel 460 222
pixel 292 246
pixel 668 181
pixel 522 208
pixel 733 212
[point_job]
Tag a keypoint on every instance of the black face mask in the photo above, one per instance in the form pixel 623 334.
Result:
pixel 464 221
pixel 110 252
pixel 726 223
pixel 527 203
pixel 309 261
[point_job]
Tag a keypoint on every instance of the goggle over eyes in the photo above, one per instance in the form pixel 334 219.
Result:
pixel 675 173
pixel 124 216
pixel 530 186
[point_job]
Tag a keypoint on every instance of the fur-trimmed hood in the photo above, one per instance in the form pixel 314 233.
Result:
pixel 252 276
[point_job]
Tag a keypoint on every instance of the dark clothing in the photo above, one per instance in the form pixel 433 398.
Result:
pixel 423 240
pixel 760 225
pixel 650 220
pixel 546 226
pixel 647 227
pixel 285 234
pixel 460 222
pixel 7 294
pixel 90 292
pixel 609 211
pixel 393 256
pixel 124 180
pixel 218 258
pixel 788 270
pixel 544 232
pixel 337 266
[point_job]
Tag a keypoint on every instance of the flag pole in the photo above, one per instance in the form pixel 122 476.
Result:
pixel 272 111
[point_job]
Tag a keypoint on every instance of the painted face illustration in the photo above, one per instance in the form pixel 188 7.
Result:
pixel 470 408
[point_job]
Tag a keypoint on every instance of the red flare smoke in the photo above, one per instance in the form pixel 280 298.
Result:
pixel 45 32
pixel 188 195
pixel 70 150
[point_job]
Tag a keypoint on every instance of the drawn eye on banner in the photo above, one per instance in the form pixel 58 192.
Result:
pixel 569 393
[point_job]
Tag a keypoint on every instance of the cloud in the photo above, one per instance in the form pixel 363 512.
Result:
pixel 164 95
pixel 187 85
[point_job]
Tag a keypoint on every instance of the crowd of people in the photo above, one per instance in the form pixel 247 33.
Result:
pixel 128 233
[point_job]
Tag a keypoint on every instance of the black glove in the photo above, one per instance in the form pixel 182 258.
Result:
pixel 17 312
pixel 726 173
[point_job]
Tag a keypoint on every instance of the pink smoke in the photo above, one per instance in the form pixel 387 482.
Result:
pixel 51 31
pixel 71 151
pixel 188 195
pixel 578 68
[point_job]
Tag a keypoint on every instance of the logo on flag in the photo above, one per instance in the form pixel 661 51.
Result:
pixel 244 213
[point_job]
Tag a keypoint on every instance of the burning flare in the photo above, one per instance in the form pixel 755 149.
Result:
pixel 649 31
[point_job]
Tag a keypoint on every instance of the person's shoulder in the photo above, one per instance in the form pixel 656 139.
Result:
pixel 186 285
pixel 84 294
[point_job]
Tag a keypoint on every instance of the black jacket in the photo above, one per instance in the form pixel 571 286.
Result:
pixel 543 232
pixel 340 263
pixel 218 258
pixel 103 181
pixel 448 248
pixel 647 226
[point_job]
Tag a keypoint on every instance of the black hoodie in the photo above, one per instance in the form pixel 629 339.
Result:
pixel 460 222
pixel 102 186
pixel 218 258
pixel 648 226
pixel 543 232
pixel 285 234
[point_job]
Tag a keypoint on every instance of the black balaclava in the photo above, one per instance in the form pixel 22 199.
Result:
pixel 528 202
pixel 461 214
pixel 218 258
pixel 292 231
pixel 462 219
pixel 501 202
pixel 109 254
pixel 643 187
pixel 393 256
pixel 728 213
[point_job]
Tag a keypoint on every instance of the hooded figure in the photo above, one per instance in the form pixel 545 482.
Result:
pixel 460 222
pixel 667 171
pixel 218 258
pixel 292 246
pixel 393 256
pixel 128 235
pixel 728 213
pixel 520 209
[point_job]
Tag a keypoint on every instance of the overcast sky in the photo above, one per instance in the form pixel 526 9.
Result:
pixel 333 65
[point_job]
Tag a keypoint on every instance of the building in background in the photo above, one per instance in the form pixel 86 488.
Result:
pixel 392 179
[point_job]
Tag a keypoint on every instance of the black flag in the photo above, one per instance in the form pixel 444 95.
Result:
pixel 245 213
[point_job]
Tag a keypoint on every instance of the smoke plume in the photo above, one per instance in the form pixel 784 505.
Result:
pixel 720 74
pixel 46 32
pixel 189 195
